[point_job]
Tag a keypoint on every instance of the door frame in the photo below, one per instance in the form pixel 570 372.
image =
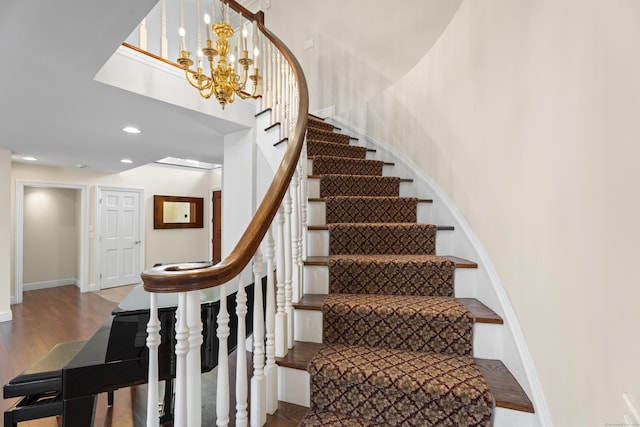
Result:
pixel 210 222
pixel 98 228
pixel 83 255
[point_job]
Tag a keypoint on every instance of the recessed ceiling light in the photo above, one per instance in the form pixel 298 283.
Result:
pixel 29 158
pixel 126 161
pixel 131 129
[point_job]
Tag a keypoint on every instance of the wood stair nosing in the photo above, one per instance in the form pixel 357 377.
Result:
pixel 323 261
pixel 506 391
pixel 481 313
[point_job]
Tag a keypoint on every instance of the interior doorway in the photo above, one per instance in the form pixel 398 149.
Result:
pixel 82 211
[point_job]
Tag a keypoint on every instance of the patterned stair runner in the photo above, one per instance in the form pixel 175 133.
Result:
pixel 371 209
pixel 397 347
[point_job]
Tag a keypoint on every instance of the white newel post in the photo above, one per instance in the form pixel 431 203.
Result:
pixel 282 326
pixel 270 370
pixel 194 370
pixel 182 348
pixel 295 205
pixel 222 386
pixel 241 365
pixel 288 266
pixel 258 386
pixel 153 342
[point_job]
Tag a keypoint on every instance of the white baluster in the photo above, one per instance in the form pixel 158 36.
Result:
pixel 288 268
pixel 282 325
pixel 164 42
pixel 241 365
pixel 305 201
pixel 153 342
pixel 194 370
pixel 182 348
pixel 142 31
pixel 222 389
pixel 302 201
pixel 258 386
pixel 295 205
pixel 270 370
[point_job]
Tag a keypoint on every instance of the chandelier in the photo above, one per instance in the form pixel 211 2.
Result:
pixel 225 79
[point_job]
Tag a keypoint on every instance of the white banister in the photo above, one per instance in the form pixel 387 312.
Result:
pixel 182 348
pixel 270 370
pixel 194 370
pixel 305 205
pixel 164 42
pixel 241 361
pixel 282 325
pixel 288 268
pixel 142 32
pixel 258 386
pixel 301 203
pixel 295 230
pixel 222 388
pixel 153 342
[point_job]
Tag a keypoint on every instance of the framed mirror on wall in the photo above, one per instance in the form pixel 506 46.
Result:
pixel 177 212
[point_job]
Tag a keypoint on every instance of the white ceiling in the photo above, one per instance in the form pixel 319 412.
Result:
pixel 51 107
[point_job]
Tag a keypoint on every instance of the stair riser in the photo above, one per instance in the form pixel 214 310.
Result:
pixel 487 338
pixel 295 386
pixel 386 169
pixel 318 242
pixel 317 214
pixel 314 188
pixel 316 281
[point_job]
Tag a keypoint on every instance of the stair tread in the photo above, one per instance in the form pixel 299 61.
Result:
pixel 323 261
pixel 504 387
pixel 480 312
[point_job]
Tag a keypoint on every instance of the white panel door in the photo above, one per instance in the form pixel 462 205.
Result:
pixel 120 238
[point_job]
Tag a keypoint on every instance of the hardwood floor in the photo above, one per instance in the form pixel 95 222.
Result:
pixel 49 316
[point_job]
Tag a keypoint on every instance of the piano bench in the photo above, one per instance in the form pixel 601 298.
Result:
pixel 40 386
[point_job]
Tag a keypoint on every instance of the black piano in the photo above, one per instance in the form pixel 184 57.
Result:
pixel 116 356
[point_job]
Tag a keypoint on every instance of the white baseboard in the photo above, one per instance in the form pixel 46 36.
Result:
pixel 49 284
pixel 92 287
pixel 6 316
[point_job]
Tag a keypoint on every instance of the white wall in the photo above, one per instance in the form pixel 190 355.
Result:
pixel 360 47
pixel 5 235
pixel 525 113
pixel 160 245
pixel 51 240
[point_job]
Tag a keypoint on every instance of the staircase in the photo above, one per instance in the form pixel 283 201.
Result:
pixel 379 331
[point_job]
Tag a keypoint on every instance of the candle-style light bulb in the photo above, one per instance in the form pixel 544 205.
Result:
pixel 244 37
pixel 182 34
pixel 207 21
pixel 256 52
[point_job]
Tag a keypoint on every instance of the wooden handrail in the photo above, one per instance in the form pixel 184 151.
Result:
pixel 194 276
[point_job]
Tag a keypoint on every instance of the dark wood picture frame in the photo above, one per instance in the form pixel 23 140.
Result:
pixel 195 216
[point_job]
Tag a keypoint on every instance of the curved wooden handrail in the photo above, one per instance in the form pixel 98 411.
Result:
pixel 194 276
